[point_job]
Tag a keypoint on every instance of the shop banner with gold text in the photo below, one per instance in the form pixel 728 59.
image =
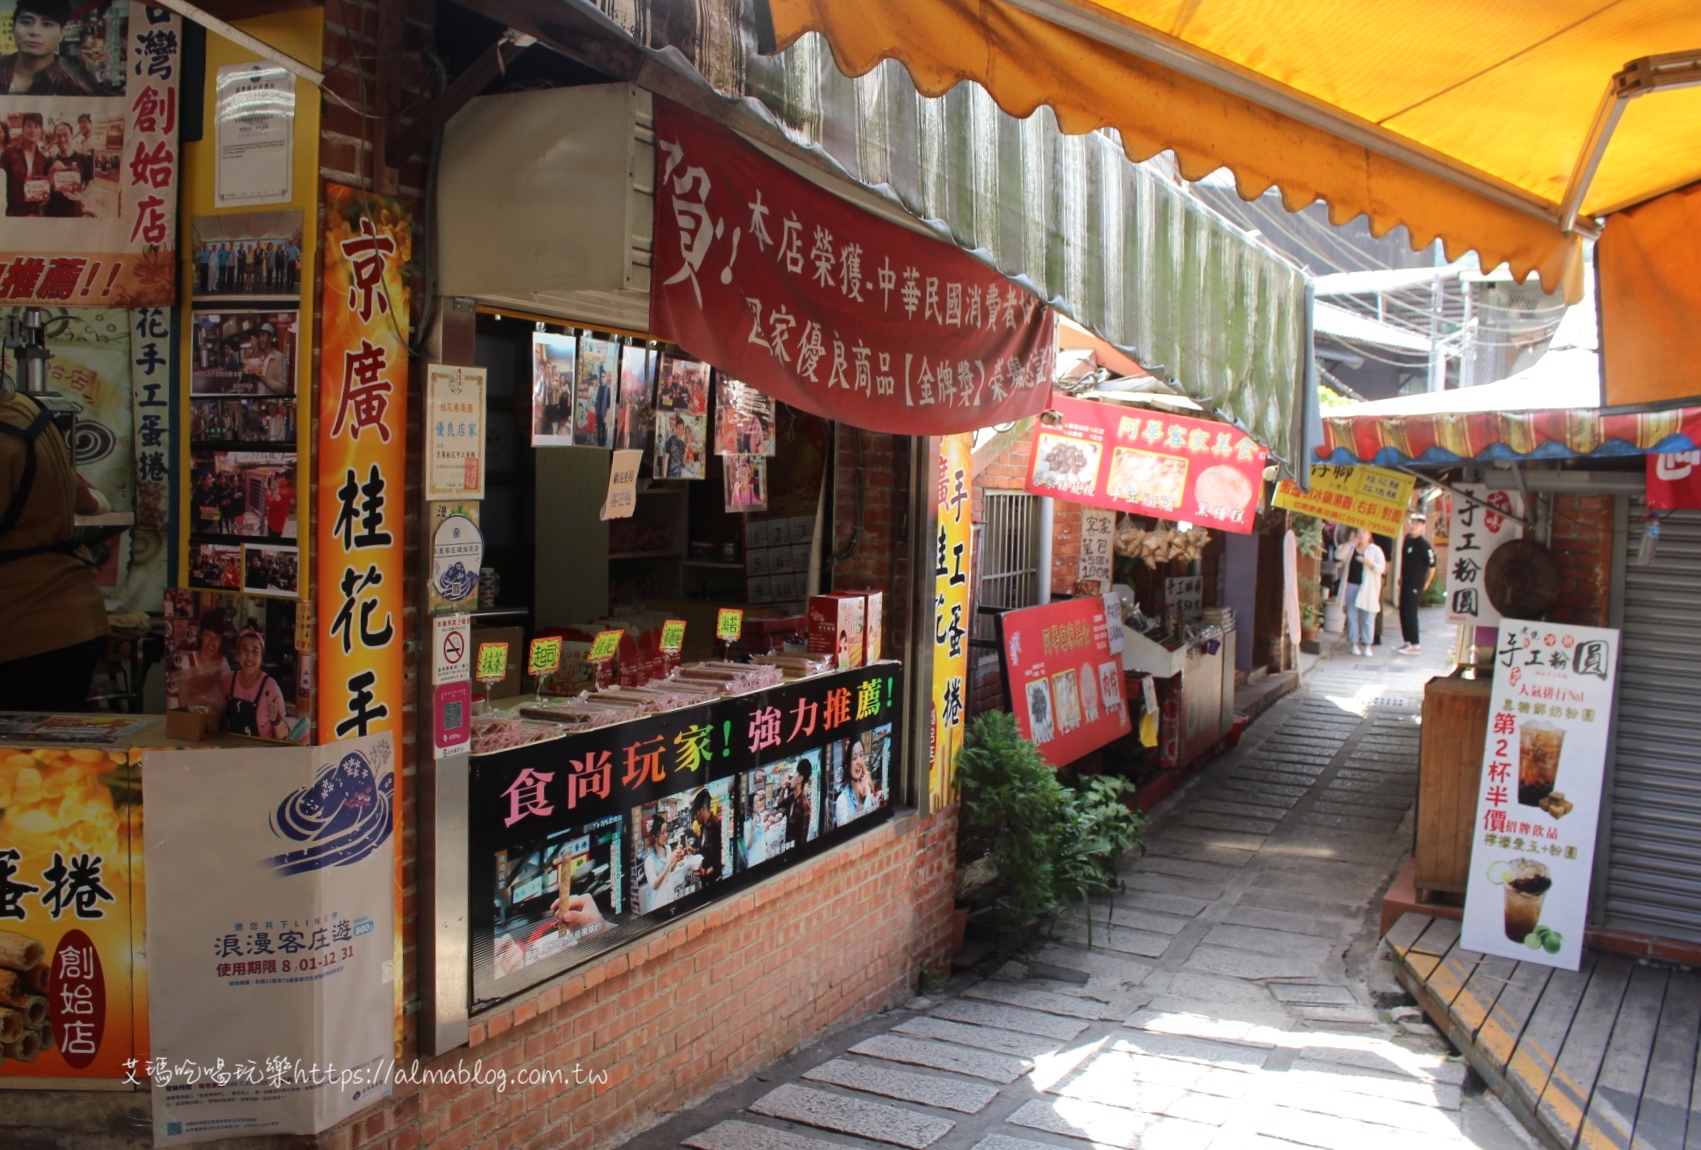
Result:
pixel 951 620
pixel 88 116
pixel 816 302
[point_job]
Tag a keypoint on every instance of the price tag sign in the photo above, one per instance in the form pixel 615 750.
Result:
pixel 492 662
pixel 729 624
pixel 544 656
pixel 673 636
pixel 605 646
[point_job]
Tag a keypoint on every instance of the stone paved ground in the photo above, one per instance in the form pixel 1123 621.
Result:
pixel 1223 1002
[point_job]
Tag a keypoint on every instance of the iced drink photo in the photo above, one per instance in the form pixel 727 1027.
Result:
pixel 1539 747
pixel 1526 889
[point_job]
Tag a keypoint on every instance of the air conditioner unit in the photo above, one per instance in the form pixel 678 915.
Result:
pixel 545 202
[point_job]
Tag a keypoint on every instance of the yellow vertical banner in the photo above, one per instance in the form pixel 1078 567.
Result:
pixel 362 474
pixel 951 619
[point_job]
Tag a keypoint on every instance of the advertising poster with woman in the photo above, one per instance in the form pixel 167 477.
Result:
pixel 234 656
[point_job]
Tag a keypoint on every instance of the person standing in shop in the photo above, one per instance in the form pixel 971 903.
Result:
pixel 52 616
pixel 1417 572
pixel 1362 599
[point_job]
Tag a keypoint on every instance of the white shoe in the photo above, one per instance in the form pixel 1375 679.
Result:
pixel 1357 650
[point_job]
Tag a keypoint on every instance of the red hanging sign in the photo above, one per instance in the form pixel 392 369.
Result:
pixel 1148 462
pixel 818 303
pixel 1066 687
pixel 1674 480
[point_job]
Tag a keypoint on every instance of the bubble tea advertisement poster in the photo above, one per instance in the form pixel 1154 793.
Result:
pixel 1539 798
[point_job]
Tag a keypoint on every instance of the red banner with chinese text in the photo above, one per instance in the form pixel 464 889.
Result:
pixel 1674 480
pixel 361 465
pixel 827 307
pixel 1066 687
pixel 91 160
pixel 1148 462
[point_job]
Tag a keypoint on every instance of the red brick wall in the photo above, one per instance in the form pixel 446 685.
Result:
pixel 699 1004
pixel 1581 540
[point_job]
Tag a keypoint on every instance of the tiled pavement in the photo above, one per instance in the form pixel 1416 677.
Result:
pixel 1222 1003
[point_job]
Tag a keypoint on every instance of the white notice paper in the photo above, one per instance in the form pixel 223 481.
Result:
pixel 622 485
pixel 1098 527
pixel 271 935
pixel 256 129
pixel 1539 799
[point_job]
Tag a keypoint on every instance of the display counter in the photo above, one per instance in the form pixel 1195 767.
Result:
pixel 1195 688
pixel 585 839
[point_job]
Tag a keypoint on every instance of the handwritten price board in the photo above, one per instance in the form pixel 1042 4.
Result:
pixel 605 646
pixel 492 662
pixel 544 656
pixel 729 624
pixel 673 636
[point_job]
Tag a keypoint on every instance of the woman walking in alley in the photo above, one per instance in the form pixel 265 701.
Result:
pixel 1363 600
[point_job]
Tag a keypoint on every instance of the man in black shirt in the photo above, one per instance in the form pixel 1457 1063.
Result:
pixel 1417 572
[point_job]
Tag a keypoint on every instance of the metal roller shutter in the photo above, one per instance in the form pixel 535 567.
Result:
pixel 1653 876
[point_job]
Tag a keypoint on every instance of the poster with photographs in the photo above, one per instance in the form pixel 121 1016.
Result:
pixel 637 398
pixel 245 494
pixel 268 419
pixel 249 255
pixel 217 566
pixel 682 385
pixel 594 392
pixel 64 156
pixel 680 845
pixel 558 894
pixel 781 802
pixel 553 360
pixel 679 445
pixel 234 656
pixel 268 569
pixel 746 480
pixel 744 419
pixel 858 786
pixel 244 353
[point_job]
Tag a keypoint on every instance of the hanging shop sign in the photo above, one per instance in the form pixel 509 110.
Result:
pixel 1066 687
pixel 1148 463
pixel 951 619
pixel 1474 534
pixel 808 299
pixel 92 158
pixel 1367 497
pixel 72 998
pixel 270 937
pixel 1674 481
pixel 454 432
pixel 580 844
pixel 362 463
pixel 1539 798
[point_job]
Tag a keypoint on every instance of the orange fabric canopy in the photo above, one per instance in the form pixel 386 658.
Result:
pixel 1459 119
pixel 1649 263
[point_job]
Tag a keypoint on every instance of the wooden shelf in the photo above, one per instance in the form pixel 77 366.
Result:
pixel 643 555
pixel 714 564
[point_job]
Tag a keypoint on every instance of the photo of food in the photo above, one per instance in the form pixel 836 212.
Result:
pixel 1039 711
pixel 1064 463
pixel 596 381
pixel 553 895
pixel 680 845
pixel 1158 481
pixel 1089 681
pixel 1221 490
pixel 1068 700
pixel 1110 686
pixel 553 368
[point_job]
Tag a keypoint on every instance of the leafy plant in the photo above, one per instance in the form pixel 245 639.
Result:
pixel 1310 615
pixel 1434 595
pixel 1308 535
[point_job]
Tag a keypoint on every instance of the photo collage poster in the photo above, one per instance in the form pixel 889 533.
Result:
pixel 235 655
pixel 569 866
pixel 244 413
pixel 744 438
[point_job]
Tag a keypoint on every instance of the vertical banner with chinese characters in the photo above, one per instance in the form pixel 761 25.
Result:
pixel 1148 463
pixel 1367 497
pixel 1066 687
pixel 271 936
pixel 951 620
pixel 362 463
pixel 91 157
pixel 822 305
pixel 1539 800
pixel 69 919
pixel 1474 533
pixel 151 393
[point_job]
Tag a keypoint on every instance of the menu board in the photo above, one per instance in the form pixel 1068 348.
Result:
pixel 1066 687
pixel 1539 797
pixel 1148 462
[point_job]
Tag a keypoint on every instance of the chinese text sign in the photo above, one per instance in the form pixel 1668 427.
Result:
pixel 1066 686
pixel 1474 533
pixel 817 303
pixel 1367 497
pixel 1149 463
pixel 951 621
pixel 1538 801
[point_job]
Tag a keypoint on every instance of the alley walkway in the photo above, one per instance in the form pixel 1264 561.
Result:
pixel 1222 1004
